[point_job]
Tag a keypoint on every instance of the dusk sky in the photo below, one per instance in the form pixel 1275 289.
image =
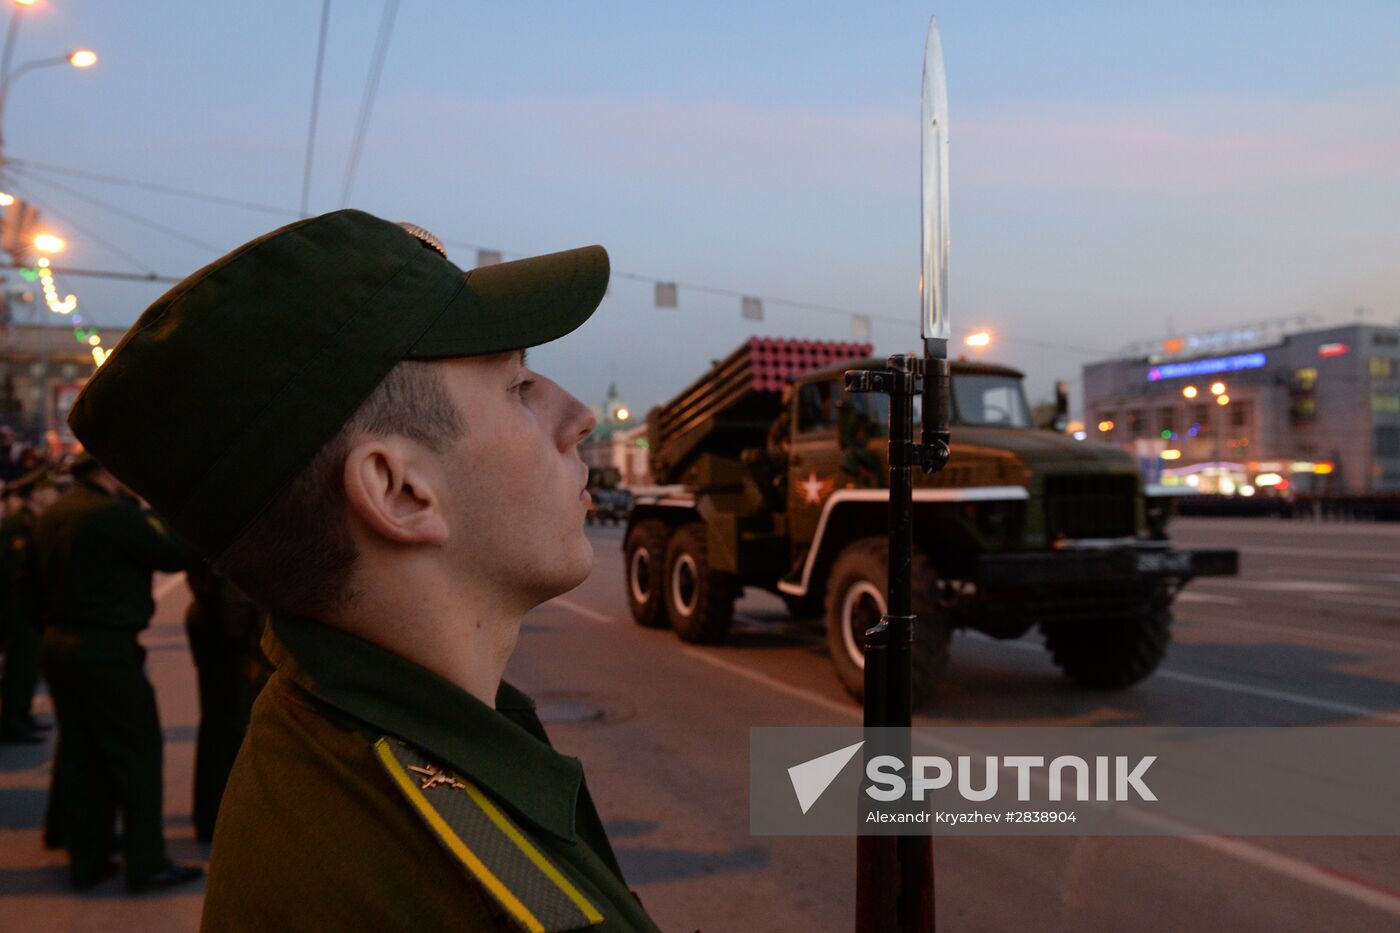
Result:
pixel 1117 169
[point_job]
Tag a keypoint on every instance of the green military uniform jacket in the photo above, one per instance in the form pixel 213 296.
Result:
pixel 19 616
pixel 96 552
pixel 18 587
pixel 372 794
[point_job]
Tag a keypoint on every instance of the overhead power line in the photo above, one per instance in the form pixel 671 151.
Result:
pixel 617 274
pixel 315 106
pixel 376 69
pixel 123 212
pixel 100 240
pixel 150 186
pixel 808 306
pixel 104 274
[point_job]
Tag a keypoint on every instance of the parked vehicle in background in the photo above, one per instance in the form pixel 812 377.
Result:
pixel 611 502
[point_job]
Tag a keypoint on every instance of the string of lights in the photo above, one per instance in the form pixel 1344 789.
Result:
pixel 86 331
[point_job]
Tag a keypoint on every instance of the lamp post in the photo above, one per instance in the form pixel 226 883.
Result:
pixel 78 58
pixel 16 8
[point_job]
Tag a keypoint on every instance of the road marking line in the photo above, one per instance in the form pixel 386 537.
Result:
pixel 1330 706
pixel 1311 554
pixel 583 610
pixel 1360 641
pixel 800 693
pixel 1350 599
pixel 1187 596
pixel 164 589
pixel 1307 587
pixel 1324 878
pixel 1298 698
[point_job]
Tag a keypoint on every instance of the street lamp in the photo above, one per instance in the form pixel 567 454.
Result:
pixel 48 243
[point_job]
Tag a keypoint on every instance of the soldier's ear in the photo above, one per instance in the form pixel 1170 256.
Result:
pixel 389 492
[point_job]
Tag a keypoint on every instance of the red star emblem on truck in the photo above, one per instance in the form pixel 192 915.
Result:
pixel 813 489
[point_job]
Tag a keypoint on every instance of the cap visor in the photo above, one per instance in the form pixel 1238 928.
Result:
pixel 518 304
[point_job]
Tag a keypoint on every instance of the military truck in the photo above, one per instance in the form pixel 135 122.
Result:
pixel 785 490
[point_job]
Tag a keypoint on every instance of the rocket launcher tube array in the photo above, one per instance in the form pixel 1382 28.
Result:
pixel 731 406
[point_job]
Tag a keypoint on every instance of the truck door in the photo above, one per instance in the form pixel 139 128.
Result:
pixel 814 462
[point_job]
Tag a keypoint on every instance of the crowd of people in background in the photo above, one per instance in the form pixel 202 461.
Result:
pixel 78 554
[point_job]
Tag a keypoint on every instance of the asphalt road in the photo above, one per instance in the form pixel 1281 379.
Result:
pixel 1309 634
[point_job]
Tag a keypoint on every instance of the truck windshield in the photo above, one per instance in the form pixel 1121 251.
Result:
pixel 989 399
pixel 978 399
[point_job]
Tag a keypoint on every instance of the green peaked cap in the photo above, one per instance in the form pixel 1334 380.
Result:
pixel 229 384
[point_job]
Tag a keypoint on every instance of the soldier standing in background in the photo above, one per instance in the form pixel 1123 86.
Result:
pixel 19 603
pixel 96 551
pixel 770 465
pixel 858 463
pixel 224 628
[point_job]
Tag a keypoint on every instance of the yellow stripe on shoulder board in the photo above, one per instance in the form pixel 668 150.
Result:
pixel 532 853
pixel 454 842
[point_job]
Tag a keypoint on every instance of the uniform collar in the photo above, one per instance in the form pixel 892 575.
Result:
pixel 493 747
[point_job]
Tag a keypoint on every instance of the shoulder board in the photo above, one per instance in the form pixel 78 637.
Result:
pixel 490 847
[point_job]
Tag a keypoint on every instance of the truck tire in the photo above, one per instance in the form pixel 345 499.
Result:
pixel 643 567
pixel 699 601
pixel 1112 653
pixel 855 600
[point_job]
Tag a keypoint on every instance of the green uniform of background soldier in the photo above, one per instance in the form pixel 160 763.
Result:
pixel 341 419
pixel 859 464
pixel 19 592
pixel 96 551
pixel 225 630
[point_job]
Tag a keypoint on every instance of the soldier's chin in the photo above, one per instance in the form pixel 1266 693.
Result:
pixel 579 565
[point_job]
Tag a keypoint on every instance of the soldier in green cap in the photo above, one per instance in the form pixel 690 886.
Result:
pixel 19 588
pixel 343 421
pixel 96 551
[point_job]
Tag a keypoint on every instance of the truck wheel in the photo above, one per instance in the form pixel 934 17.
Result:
pixel 1112 653
pixel 855 601
pixel 699 601
pixel 644 558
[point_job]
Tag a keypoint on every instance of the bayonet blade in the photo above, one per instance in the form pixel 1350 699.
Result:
pixel 933 277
